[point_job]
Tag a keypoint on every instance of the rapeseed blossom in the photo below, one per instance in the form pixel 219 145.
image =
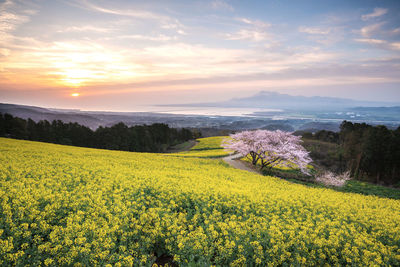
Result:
pixel 62 205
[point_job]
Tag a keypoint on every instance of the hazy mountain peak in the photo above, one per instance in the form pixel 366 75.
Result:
pixel 271 99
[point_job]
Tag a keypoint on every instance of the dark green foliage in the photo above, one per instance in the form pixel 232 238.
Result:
pixel 141 138
pixel 327 136
pixel 370 153
pixel 289 174
pixel 326 155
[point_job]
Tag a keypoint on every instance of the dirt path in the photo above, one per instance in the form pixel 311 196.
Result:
pixel 234 161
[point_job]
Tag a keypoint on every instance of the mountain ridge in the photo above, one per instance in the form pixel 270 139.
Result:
pixel 274 100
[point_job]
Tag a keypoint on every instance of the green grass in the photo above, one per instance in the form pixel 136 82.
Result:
pixel 209 147
pixel 364 188
pixel 185 146
pixel 352 186
pixel 289 173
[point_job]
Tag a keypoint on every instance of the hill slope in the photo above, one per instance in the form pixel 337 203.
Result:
pixel 60 205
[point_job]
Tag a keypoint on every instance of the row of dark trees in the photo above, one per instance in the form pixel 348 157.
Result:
pixel 141 138
pixel 370 153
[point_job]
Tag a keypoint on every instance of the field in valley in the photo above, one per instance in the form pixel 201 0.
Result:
pixel 63 205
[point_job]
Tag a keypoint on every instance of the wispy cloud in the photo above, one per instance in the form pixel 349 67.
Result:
pixel 370 41
pixel 164 21
pixel 369 30
pixel 254 30
pixel 175 25
pixel 255 23
pixel 160 37
pixel 383 44
pixel 221 5
pixel 395 31
pixel 12 16
pixel 9 18
pixel 395 45
pixel 85 28
pixel 130 45
pixel 78 63
pixel 333 74
pixel 376 13
pixel 141 14
pixel 314 30
pixel 247 34
pixel 9 21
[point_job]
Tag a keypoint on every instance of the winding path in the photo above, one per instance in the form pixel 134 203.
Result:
pixel 233 160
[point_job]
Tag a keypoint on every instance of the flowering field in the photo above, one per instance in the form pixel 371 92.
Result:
pixel 62 205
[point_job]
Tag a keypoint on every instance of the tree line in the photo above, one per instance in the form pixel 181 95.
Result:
pixel 370 153
pixel 140 138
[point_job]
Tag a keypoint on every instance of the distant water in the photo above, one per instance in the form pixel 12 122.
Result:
pixel 206 111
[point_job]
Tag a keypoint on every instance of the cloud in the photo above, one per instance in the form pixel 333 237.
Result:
pixel 175 25
pixel 172 25
pixel 256 31
pixel 367 31
pixel 251 35
pixel 140 48
pixel 9 21
pixel 85 28
pixel 370 41
pixel 314 30
pixel 164 21
pixel 4 51
pixel 67 63
pixel 160 37
pixel 376 13
pixel 332 74
pixel 222 5
pixel 11 17
pixel 383 44
pixel 395 45
pixel 78 63
pixel 255 23
pixel 6 5
pixel 395 31
pixel 141 14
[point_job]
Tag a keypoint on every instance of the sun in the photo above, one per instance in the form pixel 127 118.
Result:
pixel 75 94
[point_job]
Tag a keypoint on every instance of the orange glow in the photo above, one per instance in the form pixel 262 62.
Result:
pixel 75 94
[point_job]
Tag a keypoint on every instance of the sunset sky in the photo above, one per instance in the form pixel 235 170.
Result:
pixel 117 55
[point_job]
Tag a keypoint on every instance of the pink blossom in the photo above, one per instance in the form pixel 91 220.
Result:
pixel 270 148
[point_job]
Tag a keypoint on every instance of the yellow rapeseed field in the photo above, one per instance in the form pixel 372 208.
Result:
pixel 62 205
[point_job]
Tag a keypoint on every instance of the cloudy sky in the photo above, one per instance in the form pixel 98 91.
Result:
pixel 116 55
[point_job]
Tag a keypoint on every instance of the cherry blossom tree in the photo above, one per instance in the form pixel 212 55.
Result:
pixel 270 148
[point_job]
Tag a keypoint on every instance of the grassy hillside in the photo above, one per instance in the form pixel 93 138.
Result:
pixel 209 147
pixel 61 205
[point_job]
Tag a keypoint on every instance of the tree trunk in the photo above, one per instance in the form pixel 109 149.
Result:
pixel 254 158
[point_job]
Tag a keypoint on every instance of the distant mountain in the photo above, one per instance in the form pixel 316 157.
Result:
pixel 274 100
pixel 91 119
pixel 37 114
pixel 94 119
pixel 297 113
